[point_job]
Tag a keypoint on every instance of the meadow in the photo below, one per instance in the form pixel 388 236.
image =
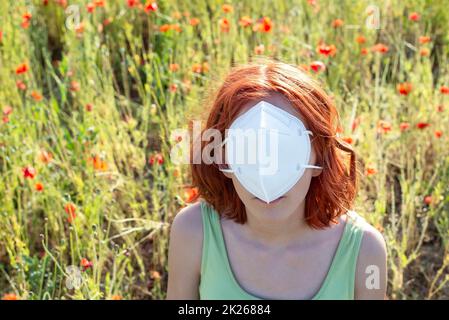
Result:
pixel 92 91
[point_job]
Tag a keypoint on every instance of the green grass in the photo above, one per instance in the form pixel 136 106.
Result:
pixel 125 204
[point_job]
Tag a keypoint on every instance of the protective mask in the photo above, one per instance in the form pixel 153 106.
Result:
pixel 268 150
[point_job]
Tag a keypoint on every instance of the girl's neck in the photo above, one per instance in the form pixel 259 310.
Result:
pixel 280 232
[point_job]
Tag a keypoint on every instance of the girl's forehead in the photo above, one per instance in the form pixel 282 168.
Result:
pixel 277 100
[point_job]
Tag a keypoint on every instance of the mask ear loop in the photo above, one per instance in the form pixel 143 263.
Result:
pixel 309 165
pixel 221 169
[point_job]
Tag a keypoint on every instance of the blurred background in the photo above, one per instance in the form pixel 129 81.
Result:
pixel 91 91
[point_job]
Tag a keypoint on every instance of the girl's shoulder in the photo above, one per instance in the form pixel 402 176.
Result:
pixel 188 220
pixel 372 257
pixel 359 222
pixel 372 238
pixel 186 234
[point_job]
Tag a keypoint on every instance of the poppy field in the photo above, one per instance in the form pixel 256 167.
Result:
pixel 92 93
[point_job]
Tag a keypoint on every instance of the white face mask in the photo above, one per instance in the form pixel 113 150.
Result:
pixel 268 150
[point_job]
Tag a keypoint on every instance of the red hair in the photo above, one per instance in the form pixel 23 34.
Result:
pixel 331 193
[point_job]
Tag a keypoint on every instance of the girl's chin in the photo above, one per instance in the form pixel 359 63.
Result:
pixel 271 203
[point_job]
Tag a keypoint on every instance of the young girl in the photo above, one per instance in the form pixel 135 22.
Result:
pixel 287 235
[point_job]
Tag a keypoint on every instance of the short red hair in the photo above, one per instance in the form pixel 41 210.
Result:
pixel 331 193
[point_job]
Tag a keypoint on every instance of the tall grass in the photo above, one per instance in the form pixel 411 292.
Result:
pixel 114 87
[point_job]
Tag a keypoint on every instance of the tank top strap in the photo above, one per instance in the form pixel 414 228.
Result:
pixel 217 280
pixel 213 246
pixel 340 280
pixel 211 222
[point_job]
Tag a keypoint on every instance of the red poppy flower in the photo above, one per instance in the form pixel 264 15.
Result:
pixel 428 200
pixel 21 85
pixel 380 47
pixel 173 67
pixel 326 50
pixel 444 90
pixel 45 157
pixel 70 209
pixel 424 52
pixel 178 15
pixel 317 66
pixel 86 264
pixel 424 39
pixel 227 8
pixel 422 125
pixel 62 3
pixel 7 110
pixel 156 158
pixel 90 7
pixel 383 126
pixel 245 21
pixel 438 133
pixel 74 86
pixel 22 68
pixel 10 296
pixel 360 39
pixel 107 21
pixel 26 18
pixel 264 24
pixel 205 67
pixel 39 186
pixel 29 172
pixel 200 68
pixel 164 28
pixel 404 88
pixel 194 22
pixel 337 23
pixel 98 163
pixel 414 16
pixel 79 29
pixel 173 87
pixel 196 68
pixel 404 126
pixel 36 96
pixel 150 6
pixel 168 27
pixel 224 25
pixel 370 170
pixel 348 139
pixel 190 194
pixel 132 3
pixel 159 158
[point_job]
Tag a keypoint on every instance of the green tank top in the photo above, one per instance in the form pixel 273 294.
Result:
pixel 218 281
